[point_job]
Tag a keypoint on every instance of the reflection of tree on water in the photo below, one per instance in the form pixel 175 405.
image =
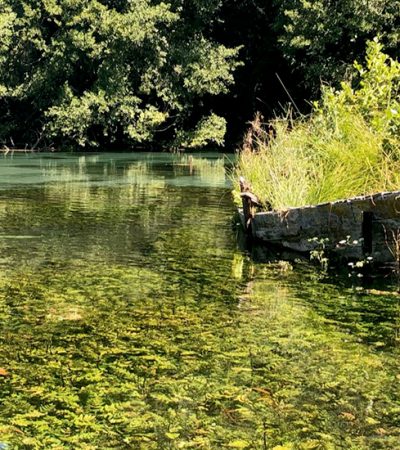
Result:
pixel 104 208
pixel 211 171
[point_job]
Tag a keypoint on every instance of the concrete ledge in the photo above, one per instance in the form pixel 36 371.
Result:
pixel 356 227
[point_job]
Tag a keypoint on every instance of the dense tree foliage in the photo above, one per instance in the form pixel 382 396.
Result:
pixel 322 38
pixel 303 42
pixel 135 72
pixel 98 71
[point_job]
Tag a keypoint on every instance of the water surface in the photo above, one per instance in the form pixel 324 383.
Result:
pixel 130 319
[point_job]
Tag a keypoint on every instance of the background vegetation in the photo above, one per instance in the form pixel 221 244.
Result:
pixel 349 145
pixel 89 72
pixel 144 72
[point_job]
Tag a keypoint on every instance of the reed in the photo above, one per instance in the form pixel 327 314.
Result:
pixel 341 149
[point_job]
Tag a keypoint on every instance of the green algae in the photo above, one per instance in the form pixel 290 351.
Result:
pixel 134 322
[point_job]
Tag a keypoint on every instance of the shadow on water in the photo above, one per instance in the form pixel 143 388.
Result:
pixel 131 319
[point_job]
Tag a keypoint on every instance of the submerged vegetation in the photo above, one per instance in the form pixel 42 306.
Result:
pixel 349 145
pixel 121 357
pixel 130 320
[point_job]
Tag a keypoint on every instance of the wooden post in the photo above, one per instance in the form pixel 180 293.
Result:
pixel 249 202
pixel 246 203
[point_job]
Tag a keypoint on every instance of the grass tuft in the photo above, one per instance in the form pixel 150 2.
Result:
pixel 342 149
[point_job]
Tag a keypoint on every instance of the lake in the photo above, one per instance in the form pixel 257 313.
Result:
pixel 132 319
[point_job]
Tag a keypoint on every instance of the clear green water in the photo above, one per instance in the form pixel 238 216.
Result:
pixel 129 319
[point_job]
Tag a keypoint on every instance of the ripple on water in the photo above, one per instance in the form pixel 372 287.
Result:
pixel 129 319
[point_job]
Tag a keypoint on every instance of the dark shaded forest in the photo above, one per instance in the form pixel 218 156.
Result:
pixel 130 74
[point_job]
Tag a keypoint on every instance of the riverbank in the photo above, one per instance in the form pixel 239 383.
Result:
pixel 348 146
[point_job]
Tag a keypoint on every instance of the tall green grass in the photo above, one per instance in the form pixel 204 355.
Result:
pixel 344 148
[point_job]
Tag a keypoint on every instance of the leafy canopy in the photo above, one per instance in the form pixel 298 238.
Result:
pixel 322 38
pixel 87 71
